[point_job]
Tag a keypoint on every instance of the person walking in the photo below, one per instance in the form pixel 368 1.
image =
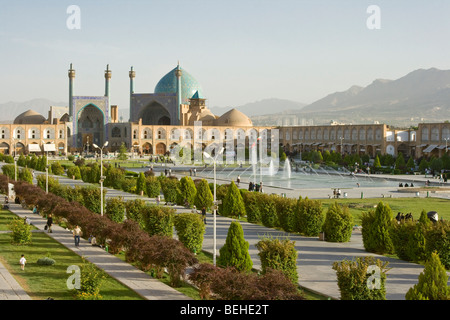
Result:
pixel 238 180
pixel 76 235
pixel 22 262
pixel 204 215
pixel 49 223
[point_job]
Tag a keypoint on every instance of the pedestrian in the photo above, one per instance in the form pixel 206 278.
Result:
pixel 204 215
pixel 26 220
pixel 260 187
pixel 76 235
pixel 22 262
pixel 238 180
pixel 158 199
pixel 49 223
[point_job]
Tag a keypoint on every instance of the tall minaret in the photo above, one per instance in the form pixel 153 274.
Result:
pixel 71 78
pixel 178 74
pixel 132 75
pixel 107 78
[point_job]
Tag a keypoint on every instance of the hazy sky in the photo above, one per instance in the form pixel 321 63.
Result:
pixel 240 51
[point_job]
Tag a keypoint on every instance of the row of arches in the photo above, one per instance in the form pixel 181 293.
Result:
pixel 31 133
pixel 330 134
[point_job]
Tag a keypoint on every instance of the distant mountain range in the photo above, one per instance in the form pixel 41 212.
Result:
pixel 420 96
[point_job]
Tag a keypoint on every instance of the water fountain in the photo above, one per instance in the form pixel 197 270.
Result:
pixel 287 169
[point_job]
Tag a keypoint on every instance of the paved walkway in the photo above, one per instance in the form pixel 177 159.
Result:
pixel 315 258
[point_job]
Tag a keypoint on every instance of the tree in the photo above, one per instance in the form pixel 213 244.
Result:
pixel 57 168
pixel 190 229
pixel 309 217
pixel 152 186
pixel 377 163
pixel 410 165
pixel 122 152
pixel 432 283
pixel 400 162
pixel 375 229
pixel 187 191
pixel 25 175
pixel 115 209
pixel 233 204
pixel 204 196
pixel 74 172
pixel 140 184
pixel 235 251
pixel 338 224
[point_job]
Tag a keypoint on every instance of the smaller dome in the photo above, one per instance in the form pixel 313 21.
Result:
pixel 29 117
pixel 206 115
pixel 234 117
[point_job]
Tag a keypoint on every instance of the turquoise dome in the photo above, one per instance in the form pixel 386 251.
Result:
pixel 189 85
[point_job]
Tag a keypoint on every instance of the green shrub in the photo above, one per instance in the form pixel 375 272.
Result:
pixel 91 279
pixel 57 168
pixel 115 209
pixel 9 170
pixel 280 255
pixel 363 279
pixel 21 232
pixel 74 172
pixel 235 253
pixel 140 184
pixel 170 189
pixel 252 207
pixel 25 175
pixel 438 240
pixel 158 220
pixel 187 191
pixel 408 239
pixel 190 229
pixel 375 230
pixel 286 208
pixel 114 177
pixel 432 283
pixel 309 217
pixel 46 261
pixel 233 204
pixel 268 210
pixel 153 187
pixel 338 224
pixel 134 209
pixel 204 196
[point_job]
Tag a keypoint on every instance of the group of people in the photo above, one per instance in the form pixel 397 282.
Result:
pixel 336 193
pixel 255 187
pixel 406 185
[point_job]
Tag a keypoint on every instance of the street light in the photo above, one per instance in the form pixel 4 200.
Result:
pixel 101 174
pixel 46 168
pixel 15 161
pixel 214 159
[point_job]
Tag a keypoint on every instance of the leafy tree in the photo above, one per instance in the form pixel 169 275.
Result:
pixel 423 165
pixel 134 209
pixel 122 152
pixel 309 217
pixel 190 229
pixel 204 196
pixel 140 184
pixel 377 163
pixel 338 224
pixel 400 162
pixel 170 188
pixel 25 175
pixel 74 172
pixel 152 186
pixel 115 209
pixel 235 251
pixel 57 168
pixel 410 165
pixel 376 227
pixel 187 192
pixel 432 283
pixel 233 204
pixel 158 220
pixel 114 177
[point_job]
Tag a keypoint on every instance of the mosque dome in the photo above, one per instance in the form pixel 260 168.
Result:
pixel 189 85
pixel 234 117
pixel 29 117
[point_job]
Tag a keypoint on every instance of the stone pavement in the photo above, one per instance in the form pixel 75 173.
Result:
pixel 9 287
pixel 315 258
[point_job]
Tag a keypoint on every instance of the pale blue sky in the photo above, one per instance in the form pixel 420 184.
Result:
pixel 240 51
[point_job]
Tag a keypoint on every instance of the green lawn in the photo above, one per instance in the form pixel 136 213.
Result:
pixel 42 282
pixel 404 205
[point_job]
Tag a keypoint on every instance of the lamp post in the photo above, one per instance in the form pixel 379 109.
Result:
pixel 15 161
pixel 446 143
pixel 101 174
pixel 214 159
pixel 46 168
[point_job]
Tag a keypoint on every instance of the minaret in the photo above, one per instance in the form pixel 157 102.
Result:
pixel 71 78
pixel 132 75
pixel 178 74
pixel 107 78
